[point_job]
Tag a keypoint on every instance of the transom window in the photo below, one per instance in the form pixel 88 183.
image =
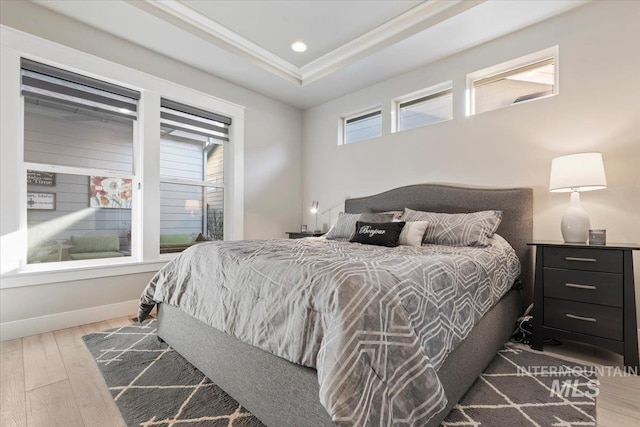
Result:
pixel 361 126
pixel 426 107
pixel 524 79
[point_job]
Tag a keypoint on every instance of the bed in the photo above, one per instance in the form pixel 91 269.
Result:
pixel 281 393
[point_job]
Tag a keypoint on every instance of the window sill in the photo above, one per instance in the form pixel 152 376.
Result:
pixel 41 277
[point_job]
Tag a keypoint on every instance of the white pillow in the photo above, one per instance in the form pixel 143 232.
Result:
pixel 412 233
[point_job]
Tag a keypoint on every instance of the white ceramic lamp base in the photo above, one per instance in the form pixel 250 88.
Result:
pixel 575 221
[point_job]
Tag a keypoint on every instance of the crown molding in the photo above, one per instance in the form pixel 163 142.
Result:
pixel 194 22
pixel 411 22
pixel 416 19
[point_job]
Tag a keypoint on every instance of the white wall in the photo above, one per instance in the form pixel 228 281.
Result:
pixel 272 153
pixel 597 109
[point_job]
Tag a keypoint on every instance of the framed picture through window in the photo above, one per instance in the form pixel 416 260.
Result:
pixel 41 201
pixel 107 192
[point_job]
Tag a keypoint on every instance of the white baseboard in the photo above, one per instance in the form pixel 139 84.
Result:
pixel 68 319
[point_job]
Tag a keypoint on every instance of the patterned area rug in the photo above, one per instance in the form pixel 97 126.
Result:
pixel 153 385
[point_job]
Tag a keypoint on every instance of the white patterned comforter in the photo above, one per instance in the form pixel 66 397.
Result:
pixel 375 322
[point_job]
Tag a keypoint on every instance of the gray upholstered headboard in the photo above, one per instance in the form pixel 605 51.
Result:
pixel 516 205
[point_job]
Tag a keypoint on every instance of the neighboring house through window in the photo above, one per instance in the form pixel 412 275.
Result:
pixel 192 175
pixel 79 139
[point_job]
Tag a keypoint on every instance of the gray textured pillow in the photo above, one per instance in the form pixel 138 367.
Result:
pixel 344 226
pixel 397 215
pixel 376 217
pixel 469 229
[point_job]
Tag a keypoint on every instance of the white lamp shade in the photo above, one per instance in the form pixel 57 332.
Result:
pixel 577 172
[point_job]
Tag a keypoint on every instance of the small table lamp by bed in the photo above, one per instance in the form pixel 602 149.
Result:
pixel 575 173
pixel 314 210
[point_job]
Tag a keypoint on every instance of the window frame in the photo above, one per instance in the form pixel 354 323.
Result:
pixel 361 114
pixel 163 179
pixel 430 92
pixel 72 170
pixel 509 67
pixel 136 235
pixel 16 45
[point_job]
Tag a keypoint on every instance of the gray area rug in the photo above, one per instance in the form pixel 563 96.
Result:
pixel 153 385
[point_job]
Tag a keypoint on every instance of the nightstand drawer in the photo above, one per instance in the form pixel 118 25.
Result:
pixel 590 319
pixel 584 286
pixel 584 259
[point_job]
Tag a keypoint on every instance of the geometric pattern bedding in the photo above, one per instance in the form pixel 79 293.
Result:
pixel 470 229
pixel 375 322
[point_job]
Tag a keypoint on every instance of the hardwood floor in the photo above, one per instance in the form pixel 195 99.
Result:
pixel 51 380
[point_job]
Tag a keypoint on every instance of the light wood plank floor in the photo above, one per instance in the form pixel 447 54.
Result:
pixel 51 380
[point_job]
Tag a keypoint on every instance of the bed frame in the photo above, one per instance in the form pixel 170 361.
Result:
pixel 281 393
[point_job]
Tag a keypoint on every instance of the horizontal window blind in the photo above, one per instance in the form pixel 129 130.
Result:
pixel 518 70
pixel 425 98
pixel 52 85
pixel 176 116
pixel 364 117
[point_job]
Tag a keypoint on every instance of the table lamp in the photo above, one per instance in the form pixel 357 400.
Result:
pixel 314 210
pixel 575 173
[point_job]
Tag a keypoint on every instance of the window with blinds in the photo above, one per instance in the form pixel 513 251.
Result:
pixel 180 117
pixel 524 79
pixel 362 126
pixel 44 83
pixel 79 138
pixel 192 184
pixel 426 107
pixel 77 121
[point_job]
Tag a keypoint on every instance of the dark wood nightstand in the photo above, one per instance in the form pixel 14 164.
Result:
pixel 299 235
pixel 586 293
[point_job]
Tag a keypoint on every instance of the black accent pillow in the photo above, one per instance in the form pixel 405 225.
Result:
pixel 381 234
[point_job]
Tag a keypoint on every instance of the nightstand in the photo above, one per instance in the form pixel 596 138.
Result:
pixel 299 235
pixel 586 293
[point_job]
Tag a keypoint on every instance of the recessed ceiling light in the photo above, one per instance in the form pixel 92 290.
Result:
pixel 299 46
pixel 124 110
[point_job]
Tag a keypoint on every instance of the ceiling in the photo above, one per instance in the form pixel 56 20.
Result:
pixel 351 44
pixel 323 25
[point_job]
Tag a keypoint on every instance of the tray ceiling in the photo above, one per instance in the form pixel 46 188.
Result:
pixel 351 44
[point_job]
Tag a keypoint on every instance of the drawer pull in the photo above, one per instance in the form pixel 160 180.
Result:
pixel 572 258
pixel 577 286
pixel 586 319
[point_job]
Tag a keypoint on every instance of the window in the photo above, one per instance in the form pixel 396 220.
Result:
pixel 79 138
pixel 524 79
pixel 362 126
pixel 81 165
pixel 426 107
pixel 192 175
